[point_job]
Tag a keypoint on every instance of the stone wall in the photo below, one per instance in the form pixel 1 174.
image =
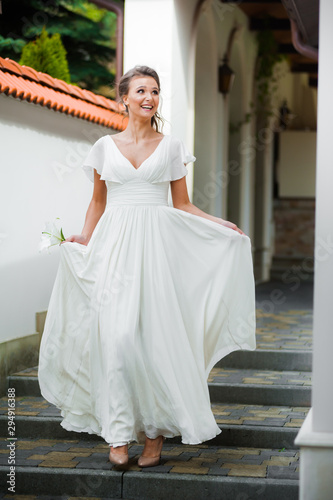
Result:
pixel 294 226
pixel 294 221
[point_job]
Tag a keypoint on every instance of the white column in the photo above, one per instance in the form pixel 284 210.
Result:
pixel 322 399
pixel 159 34
pixel 268 242
pixel 221 201
pixel 247 186
pixel 316 435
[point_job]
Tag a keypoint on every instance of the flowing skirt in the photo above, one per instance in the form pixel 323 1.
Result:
pixel 138 318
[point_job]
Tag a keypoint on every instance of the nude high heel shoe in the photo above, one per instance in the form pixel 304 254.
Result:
pixel 119 458
pixel 150 461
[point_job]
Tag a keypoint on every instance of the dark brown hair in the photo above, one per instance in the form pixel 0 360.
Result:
pixel 123 88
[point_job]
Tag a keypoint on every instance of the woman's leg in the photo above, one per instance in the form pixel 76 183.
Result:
pixel 153 447
pixel 119 457
pixel 117 444
pixel 119 447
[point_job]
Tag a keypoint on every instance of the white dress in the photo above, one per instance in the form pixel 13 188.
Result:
pixel 139 316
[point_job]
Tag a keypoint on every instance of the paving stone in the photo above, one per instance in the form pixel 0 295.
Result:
pixel 187 455
pixel 158 468
pixel 180 469
pixel 98 465
pixel 218 471
pixel 247 470
pixel 274 472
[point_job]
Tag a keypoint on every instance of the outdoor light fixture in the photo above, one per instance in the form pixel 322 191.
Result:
pixel 285 115
pixel 226 77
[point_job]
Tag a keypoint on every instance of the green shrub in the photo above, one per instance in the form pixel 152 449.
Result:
pixel 48 55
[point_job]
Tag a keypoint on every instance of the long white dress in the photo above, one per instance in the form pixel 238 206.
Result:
pixel 139 316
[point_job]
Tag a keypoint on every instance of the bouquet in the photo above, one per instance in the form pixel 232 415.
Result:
pixel 51 236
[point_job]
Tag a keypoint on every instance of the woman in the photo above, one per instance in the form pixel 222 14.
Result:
pixel 148 297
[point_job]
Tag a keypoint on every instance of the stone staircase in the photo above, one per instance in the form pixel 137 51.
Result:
pixel 259 400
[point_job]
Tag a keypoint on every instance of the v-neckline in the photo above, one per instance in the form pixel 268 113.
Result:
pixel 144 161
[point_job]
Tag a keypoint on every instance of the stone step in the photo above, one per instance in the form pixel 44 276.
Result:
pixel 267 387
pixel 260 394
pixel 288 388
pixel 82 469
pixel 241 425
pixel 268 359
pixel 266 377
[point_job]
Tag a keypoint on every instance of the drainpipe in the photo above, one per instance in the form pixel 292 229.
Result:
pixel 117 8
pixel 300 46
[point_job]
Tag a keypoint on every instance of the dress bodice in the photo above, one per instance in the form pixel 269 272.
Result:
pixel 167 163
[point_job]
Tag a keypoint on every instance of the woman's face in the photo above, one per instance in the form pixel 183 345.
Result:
pixel 143 96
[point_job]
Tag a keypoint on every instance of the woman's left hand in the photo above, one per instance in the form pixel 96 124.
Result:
pixel 229 224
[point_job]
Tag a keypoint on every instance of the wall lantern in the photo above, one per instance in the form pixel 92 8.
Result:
pixel 284 115
pixel 226 77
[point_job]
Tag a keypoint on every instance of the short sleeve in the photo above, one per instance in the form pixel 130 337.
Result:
pixel 180 155
pixel 95 160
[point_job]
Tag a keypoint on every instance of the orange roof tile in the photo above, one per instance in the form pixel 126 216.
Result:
pixel 26 83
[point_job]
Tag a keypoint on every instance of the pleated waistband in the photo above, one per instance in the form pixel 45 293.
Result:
pixel 138 193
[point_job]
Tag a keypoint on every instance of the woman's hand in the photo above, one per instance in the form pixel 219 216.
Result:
pixel 181 201
pixel 229 224
pixel 78 238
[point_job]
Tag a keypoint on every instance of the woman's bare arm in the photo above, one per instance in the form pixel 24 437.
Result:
pixel 181 201
pixel 95 211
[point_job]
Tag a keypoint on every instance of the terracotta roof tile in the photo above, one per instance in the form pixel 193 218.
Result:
pixel 23 82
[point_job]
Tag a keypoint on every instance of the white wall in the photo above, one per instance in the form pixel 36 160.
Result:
pixel 296 169
pixel 301 99
pixel 216 150
pixel 158 33
pixel 206 189
pixel 41 179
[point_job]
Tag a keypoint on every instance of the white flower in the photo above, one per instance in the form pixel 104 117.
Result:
pixel 51 236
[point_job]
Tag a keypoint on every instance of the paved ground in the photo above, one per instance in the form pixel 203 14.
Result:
pixel 284 322
pixel 191 459
pixel 277 416
pixel 277 296
pixel 284 315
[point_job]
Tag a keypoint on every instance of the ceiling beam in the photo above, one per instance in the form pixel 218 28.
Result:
pixel 313 81
pixel 304 68
pixel 270 23
pixel 287 48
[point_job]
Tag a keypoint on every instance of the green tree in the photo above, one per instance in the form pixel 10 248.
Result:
pixel 87 33
pixel 47 54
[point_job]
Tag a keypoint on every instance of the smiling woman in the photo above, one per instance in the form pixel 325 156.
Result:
pixel 142 82
pixel 148 297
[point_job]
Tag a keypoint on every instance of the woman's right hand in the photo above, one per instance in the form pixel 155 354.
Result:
pixel 78 238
